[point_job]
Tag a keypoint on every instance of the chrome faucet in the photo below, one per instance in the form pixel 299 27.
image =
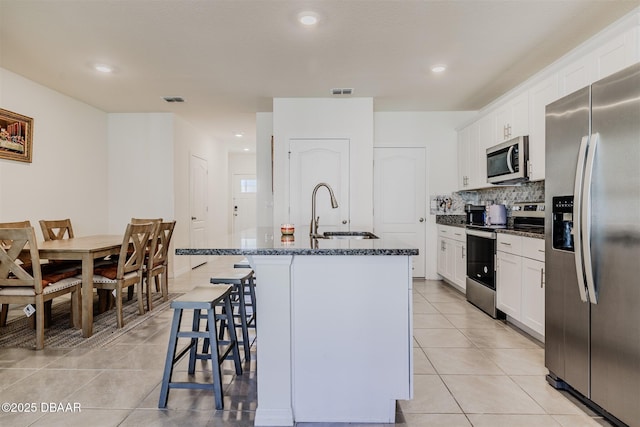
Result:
pixel 313 229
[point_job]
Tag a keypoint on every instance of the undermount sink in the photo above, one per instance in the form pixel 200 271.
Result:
pixel 347 235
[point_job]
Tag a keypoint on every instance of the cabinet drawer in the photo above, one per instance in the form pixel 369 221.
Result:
pixel 533 248
pixel 509 243
pixel 455 233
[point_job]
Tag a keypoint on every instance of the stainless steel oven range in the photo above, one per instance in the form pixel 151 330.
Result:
pixel 481 271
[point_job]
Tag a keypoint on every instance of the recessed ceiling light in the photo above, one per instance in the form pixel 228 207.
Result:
pixel 245 149
pixel 308 18
pixel 438 68
pixel 239 134
pixel 103 68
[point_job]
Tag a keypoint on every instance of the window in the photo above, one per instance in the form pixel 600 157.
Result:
pixel 248 185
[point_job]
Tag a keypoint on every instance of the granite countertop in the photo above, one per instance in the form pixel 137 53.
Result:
pixel 522 233
pixel 267 241
pixel 454 222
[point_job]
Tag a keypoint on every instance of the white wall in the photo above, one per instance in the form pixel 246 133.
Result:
pixel 140 168
pixel 68 175
pixel 436 131
pixel 264 198
pixel 189 141
pixel 319 118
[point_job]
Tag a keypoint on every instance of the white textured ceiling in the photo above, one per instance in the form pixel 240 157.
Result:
pixel 228 59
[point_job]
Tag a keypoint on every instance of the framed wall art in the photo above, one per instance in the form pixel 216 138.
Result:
pixel 16 136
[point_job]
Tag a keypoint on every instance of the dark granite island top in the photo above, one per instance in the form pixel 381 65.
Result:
pixel 268 241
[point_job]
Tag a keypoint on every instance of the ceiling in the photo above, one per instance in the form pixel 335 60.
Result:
pixel 230 58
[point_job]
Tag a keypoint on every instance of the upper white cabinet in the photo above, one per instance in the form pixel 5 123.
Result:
pixel 463 158
pixel 604 60
pixel 616 55
pixel 524 113
pixel 471 172
pixel 575 76
pixel 512 119
pixel 540 95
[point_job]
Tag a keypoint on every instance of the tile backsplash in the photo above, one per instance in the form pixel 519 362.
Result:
pixel 453 204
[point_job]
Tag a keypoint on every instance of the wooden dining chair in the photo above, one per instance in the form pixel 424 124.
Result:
pixel 23 280
pixel 154 236
pixel 128 271
pixel 56 229
pixel 17 224
pixel 157 267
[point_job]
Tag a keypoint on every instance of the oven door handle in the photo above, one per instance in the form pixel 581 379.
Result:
pixel 479 233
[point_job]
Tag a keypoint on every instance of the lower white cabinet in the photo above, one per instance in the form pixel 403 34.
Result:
pixel 452 255
pixel 533 294
pixel 509 286
pixel 520 281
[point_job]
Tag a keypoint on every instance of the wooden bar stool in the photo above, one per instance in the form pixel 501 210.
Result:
pixel 242 280
pixel 201 298
pixel 251 291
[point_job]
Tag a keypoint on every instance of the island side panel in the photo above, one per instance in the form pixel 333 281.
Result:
pixel 352 345
pixel 273 328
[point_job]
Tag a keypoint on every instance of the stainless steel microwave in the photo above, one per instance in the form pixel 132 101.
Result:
pixel 507 162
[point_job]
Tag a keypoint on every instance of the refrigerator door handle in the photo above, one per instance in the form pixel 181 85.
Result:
pixel 577 223
pixel 586 218
pixel 509 162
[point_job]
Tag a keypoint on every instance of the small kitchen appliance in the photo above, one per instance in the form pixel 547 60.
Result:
pixel 476 214
pixel 496 215
pixel 507 162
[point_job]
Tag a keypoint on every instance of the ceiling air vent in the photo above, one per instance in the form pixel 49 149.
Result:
pixel 173 98
pixel 342 91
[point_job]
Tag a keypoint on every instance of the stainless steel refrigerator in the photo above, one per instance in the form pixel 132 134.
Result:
pixel 592 226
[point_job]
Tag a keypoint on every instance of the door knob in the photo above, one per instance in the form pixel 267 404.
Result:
pixel 421 219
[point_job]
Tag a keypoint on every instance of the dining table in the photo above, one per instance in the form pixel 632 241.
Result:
pixel 86 249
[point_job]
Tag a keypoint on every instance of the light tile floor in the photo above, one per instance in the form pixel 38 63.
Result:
pixel 469 370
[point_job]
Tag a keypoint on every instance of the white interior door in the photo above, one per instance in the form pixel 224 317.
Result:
pixel 312 161
pixel 399 198
pixel 244 202
pixel 198 207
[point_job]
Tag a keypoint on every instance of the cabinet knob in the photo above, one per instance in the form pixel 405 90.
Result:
pixel 344 221
pixel 421 219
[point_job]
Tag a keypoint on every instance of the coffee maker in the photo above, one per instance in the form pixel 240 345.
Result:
pixel 476 214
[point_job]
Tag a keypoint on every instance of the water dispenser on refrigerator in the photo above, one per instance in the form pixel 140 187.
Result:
pixel 562 231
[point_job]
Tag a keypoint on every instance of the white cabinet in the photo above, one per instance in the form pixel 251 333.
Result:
pixel 452 261
pixel 616 54
pixel 540 95
pixel 512 119
pixel 463 158
pixel 520 281
pixel 533 294
pixel 576 75
pixel 460 263
pixel 486 139
pixel 533 282
pixel 470 160
pixel 604 60
pixel 509 275
pixel 442 256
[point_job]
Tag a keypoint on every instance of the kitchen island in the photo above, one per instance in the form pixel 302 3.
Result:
pixel 334 326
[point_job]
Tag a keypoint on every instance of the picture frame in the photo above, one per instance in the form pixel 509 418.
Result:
pixel 16 136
